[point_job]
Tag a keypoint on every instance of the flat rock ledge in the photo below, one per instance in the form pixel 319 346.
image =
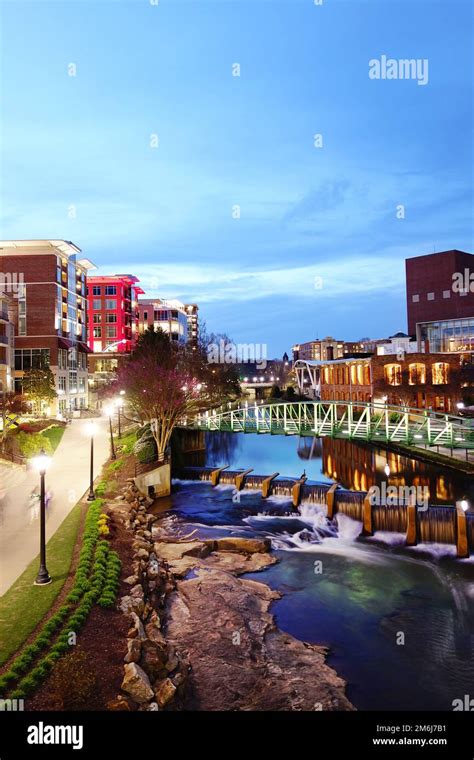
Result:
pixel 239 659
pixel 200 637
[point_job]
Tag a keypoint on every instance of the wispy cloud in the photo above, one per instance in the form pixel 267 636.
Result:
pixel 327 280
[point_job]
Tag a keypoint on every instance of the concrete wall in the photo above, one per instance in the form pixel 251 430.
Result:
pixel 159 479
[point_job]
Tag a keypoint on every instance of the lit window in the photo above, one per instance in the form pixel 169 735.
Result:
pixel 415 298
pixel 417 374
pixel 430 296
pixel 446 294
pixel 393 374
pixel 440 372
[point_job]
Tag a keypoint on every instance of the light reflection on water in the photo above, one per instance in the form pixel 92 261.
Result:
pixel 327 460
pixel 364 598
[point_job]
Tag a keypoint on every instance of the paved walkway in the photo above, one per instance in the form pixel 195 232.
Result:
pixel 67 480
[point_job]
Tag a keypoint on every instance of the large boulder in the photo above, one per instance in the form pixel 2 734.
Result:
pixel 171 552
pixel 153 658
pixel 245 545
pixel 164 692
pixel 134 647
pixel 137 684
pixel 129 604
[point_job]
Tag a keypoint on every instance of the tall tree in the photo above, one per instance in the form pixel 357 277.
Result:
pixel 39 386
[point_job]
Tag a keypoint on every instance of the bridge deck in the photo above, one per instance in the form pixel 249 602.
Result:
pixel 337 419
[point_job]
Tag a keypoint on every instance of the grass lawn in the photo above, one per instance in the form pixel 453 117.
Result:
pixel 24 605
pixel 54 435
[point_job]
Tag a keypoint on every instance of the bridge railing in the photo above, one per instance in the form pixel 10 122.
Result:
pixel 362 420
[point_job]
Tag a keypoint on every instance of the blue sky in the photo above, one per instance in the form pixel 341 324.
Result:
pixel 77 161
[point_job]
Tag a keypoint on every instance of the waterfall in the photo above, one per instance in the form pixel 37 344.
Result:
pixel 438 525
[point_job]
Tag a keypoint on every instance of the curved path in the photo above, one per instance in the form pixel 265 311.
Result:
pixel 67 479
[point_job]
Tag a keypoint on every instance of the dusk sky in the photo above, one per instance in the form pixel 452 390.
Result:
pixel 78 161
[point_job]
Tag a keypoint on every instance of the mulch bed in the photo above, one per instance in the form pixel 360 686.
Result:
pixel 103 636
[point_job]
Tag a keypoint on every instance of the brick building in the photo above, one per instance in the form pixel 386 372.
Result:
pixel 440 310
pixel 421 380
pixel 7 344
pixel 50 315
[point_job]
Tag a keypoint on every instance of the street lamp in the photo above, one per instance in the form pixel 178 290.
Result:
pixel 109 410
pixel 119 404
pixel 386 470
pixel 41 464
pixel 91 431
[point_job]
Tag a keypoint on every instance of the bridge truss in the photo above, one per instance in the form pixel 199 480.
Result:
pixel 344 419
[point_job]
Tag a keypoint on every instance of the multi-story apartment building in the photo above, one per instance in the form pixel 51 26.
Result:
pixel 112 311
pixel 192 314
pixel 50 315
pixel 7 344
pixel 170 316
pixel 319 350
pixel 440 301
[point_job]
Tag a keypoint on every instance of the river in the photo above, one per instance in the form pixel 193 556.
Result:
pixel 399 622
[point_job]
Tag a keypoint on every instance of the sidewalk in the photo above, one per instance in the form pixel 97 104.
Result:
pixel 67 479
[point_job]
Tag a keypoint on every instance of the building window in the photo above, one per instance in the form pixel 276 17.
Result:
pixel 31 358
pixel 97 332
pixel 440 373
pixel 62 383
pixel 110 303
pixel 446 294
pixel 416 374
pixel 145 316
pixel 415 298
pixel 110 290
pixel 82 384
pixel 110 331
pixel 97 318
pixel 111 317
pixel 62 358
pixel 22 312
pixel 96 304
pixel 393 374
pixel 73 382
pixel 430 296
pixel 96 290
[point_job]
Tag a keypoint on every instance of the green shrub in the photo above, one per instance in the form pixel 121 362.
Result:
pixel 144 432
pixel 31 444
pixel 97 566
pixel 101 488
pixel 146 450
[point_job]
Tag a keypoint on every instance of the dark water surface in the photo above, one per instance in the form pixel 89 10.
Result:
pixel 399 622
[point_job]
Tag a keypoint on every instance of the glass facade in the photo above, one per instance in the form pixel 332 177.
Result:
pixel 31 358
pixel 448 336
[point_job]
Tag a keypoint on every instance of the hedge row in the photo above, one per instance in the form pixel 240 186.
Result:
pixel 80 590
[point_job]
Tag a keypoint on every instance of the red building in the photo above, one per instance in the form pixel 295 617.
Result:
pixel 431 297
pixel 112 312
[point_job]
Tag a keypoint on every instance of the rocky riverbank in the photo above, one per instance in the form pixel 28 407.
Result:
pixel 203 638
